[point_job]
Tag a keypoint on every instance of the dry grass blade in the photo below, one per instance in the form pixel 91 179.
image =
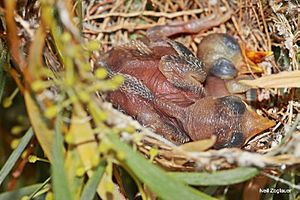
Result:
pixel 11 161
pixel 289 79
pixel 200 145
pixel 42 132
pixel 14 40
pixel 146 13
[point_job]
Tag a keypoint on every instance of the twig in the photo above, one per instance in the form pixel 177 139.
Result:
pixel 292 185
pixel 145 13
pixel 265 25
pixel 124 26
pixel 287 136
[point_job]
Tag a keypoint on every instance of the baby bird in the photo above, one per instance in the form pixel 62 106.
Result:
pixel 228 118
pixel 172 91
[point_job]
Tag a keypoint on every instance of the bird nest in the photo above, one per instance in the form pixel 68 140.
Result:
pixel 258 26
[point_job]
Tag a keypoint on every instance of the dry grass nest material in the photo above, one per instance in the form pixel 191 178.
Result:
pixel 260 26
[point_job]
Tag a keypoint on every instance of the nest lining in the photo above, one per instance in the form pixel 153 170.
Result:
pixel 256 25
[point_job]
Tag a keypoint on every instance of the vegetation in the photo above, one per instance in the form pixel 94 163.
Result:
pixel 61 140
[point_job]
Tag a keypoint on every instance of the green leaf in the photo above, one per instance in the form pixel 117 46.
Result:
pixel 82 156
pixel 225 177
pixel 19 193
pixel 72 164
pixel 41 190
pixel 14 156
pixel 159 182
pixel 60 181
pixel 90 188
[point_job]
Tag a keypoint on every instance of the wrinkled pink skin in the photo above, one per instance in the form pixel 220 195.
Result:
pixel 147 69
pixel 128 61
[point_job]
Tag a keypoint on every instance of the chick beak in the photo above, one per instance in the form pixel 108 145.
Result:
pixel 254 123
pixel 251 59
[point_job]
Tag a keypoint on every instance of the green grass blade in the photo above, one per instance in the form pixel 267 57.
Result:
pixel 59 178
pixel 159 182
pixel 2 81
pixel 225 177
pixel 15 155
pixel 3 60
pixel 41 189
pixel 19 193
pixel 90 188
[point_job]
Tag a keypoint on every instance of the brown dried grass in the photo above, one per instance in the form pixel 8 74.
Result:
pixel 258 25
